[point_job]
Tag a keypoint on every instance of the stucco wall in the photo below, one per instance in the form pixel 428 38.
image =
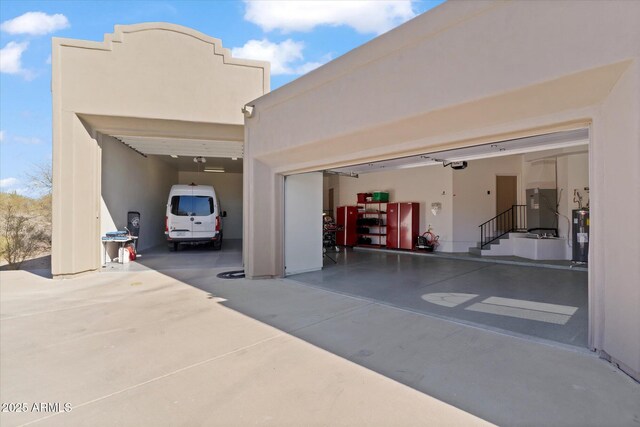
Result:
pixel 156 70
pixel 228 188
pixel 131 182
pixel 615 191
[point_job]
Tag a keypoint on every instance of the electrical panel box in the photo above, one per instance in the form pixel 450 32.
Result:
pixel 541 210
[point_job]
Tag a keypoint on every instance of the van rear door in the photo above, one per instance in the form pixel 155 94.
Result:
pixel 204 217
pixel 181 225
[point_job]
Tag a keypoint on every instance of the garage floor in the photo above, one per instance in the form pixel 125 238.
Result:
pixel 187 257
pixel 540 302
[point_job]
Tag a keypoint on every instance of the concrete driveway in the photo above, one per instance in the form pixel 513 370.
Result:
pixel 143 348
pixel 180 346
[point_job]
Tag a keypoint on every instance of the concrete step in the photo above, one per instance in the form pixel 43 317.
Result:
pixel 499 247
pixel 495 242
pixel 475 251
pixel 512 235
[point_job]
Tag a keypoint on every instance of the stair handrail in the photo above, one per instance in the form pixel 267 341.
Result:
pixel 513 219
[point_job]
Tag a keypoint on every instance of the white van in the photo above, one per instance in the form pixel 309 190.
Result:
pixel 193 216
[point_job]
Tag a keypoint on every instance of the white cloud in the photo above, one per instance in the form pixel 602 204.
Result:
pixel 11 58
pixel 1 136
pixel 30 140
pixel 363 16
pixel 49 59
pixel 8 182
pixel 35 24
pixel 285 57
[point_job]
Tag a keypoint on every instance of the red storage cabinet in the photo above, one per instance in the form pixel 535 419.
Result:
pixel 346 219
pixel 393 217
pixel 409 225
pixel 403 225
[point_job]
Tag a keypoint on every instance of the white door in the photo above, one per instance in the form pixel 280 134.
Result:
pixel 303 223
pixel 181 224
pixel 204 217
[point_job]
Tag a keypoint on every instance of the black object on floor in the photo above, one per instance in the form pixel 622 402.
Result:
pixel 237 274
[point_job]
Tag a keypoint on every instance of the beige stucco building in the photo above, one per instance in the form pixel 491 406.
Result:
pixel 120 108
pixel 461 75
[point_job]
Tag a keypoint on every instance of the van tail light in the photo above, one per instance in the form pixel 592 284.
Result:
pixel 217 223
pixel 166 224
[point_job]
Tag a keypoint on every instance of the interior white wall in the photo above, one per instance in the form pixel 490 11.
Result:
pixel 471 193
pixel 424 185
pixel 131 182
pixel 573 174
pixel 472 205
pixel 329 182
pixel 303 222
pixel 564 202
pixel 228 188
pixel 540 173
pixel 325 193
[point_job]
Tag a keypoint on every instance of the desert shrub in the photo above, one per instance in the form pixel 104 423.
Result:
pixel 24 228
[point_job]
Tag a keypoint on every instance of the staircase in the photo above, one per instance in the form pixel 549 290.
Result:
pixel 502 246
pixel 496 234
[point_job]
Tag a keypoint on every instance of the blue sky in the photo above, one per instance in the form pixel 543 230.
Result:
pixel 295 36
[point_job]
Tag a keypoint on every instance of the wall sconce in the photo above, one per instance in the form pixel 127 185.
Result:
pixel 247 110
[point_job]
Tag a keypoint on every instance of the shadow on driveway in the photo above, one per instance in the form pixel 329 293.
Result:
pixel 502 379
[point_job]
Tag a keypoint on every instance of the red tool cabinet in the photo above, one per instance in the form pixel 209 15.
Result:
pixel 346 219
pixel 403 225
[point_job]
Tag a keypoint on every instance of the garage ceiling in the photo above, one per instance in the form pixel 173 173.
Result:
pixel 186 164
pixel 556 140
pixel 183 147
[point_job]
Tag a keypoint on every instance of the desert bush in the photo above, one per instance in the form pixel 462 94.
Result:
pixel 24 228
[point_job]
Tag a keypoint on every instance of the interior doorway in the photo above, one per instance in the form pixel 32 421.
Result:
pixel 506 192
pixel 330 206
pixel 506 197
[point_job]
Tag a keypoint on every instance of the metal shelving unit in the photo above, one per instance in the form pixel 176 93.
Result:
pixel 377 233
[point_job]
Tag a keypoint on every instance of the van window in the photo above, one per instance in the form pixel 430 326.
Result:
pixel 191 205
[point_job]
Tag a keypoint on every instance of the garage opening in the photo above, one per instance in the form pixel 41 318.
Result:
pixel 138 173
pixel 494 235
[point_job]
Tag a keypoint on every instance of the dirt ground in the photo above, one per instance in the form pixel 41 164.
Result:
pixel 41 261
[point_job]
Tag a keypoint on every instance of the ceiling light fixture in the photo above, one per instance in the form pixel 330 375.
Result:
pixel 234 158
pixel 174 156
pixel 214 170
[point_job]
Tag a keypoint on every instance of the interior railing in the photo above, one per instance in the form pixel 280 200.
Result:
pixel 513 219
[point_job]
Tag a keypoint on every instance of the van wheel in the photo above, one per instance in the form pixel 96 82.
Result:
pixel 173 247
pixel 217 245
